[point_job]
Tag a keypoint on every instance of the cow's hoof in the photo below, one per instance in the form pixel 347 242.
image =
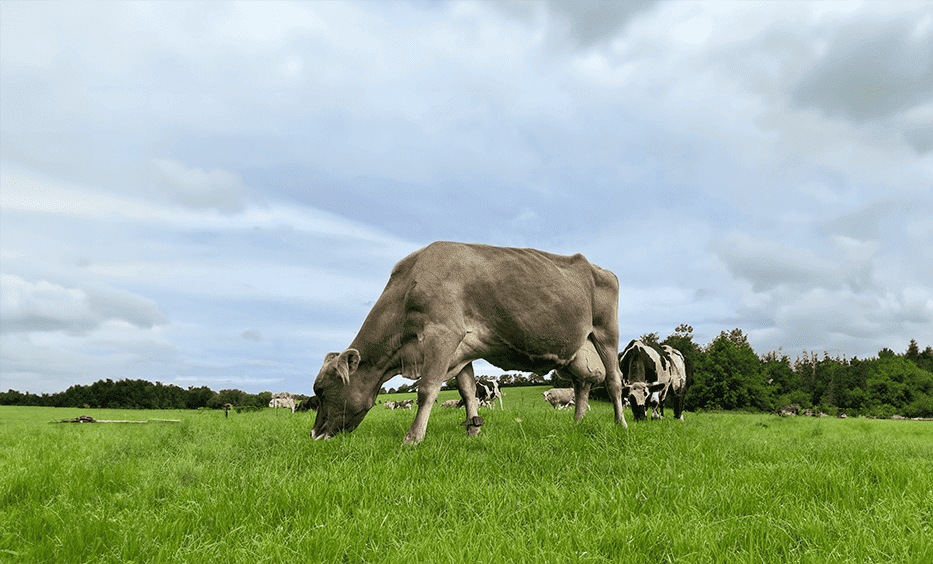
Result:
pixel 473 425
pixel 475 421
pixel 411 440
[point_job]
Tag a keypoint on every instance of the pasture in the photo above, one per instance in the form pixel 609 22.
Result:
pixel 534 487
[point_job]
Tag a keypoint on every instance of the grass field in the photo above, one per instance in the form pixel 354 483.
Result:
pixel 535 487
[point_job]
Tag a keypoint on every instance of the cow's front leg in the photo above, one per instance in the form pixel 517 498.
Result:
pixel 466 383
pixel 427 395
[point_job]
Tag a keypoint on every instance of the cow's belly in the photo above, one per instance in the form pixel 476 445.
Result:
pixel 516 360
pixel 482 344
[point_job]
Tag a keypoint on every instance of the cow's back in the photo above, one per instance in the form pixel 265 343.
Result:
pixel 527 309
pixel 643 363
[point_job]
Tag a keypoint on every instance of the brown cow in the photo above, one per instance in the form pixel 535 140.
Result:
pixel 449 304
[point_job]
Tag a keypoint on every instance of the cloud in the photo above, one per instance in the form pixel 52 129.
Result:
pixel 42 306
pixel 193 188
pixel 870 71
pixel 768 264
pixel 580 24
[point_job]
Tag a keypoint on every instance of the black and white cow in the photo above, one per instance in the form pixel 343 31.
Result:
pixel 677 387
pixel 650 373
pixel 487 392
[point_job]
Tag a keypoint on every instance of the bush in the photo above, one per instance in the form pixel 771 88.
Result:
pixel 885 411
pixel 922 406
pixel 800 397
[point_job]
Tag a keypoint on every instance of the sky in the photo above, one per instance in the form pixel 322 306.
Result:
pixel 215 193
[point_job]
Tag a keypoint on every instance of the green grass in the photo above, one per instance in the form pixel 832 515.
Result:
pixel 535 487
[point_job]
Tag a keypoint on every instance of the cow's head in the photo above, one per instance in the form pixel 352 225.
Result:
pixel 639 395
pixel 342 402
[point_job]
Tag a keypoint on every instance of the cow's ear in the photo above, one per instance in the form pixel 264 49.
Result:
pixel 353 359
pixel 330 356
pixel 625 390
pixel 657 387
pixel 347 363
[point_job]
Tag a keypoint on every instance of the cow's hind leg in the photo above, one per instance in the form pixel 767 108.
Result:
pixel 581 394
pixel 585 369
pixel 466 383
pixel 606 344
pixel 679 402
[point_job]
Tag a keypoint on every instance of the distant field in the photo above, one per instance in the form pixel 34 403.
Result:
pixel 535 487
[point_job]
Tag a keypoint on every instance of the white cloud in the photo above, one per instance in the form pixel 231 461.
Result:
pixel 43 306
pixel 192 187
pixel 694 31
pixel 268 22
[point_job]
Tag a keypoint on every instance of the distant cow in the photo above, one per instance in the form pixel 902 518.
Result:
pixel 488 392
pixel 650 373
pixel 449 304
pixel 401 404
pixel 559 398
pixel 286 402
pixel 451 403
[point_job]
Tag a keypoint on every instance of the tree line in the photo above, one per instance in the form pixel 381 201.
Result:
pixel 726 374
pixel 139 394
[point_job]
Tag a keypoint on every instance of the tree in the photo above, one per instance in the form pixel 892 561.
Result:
pixel 783 384
pixel 650 339
pixel 682 340
pixel 729 375
pixel 233 397
pixel 198 397
pixel 913 352
pixel 925 359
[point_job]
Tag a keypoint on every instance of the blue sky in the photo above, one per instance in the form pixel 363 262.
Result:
pixel 215 194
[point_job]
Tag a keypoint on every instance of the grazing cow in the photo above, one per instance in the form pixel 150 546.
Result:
pixel 559 398
pixel 488 392
pixel 681 372
pixel 650 372
pixel 449 304
pixel 283 399
pixel 400 404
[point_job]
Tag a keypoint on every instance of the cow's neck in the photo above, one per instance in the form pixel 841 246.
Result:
pixel 385 350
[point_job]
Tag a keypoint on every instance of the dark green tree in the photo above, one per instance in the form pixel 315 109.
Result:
pixel 729 376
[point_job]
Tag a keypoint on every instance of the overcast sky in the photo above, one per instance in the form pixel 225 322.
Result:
pixel 215 194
